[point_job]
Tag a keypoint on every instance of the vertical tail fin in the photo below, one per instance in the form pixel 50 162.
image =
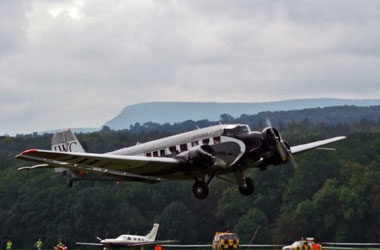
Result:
pixel 66 141
pixel 153 233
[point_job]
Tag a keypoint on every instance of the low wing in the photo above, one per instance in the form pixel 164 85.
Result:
pixel 128 244
pixel 316 144
pixel 89 244
pixel 138 168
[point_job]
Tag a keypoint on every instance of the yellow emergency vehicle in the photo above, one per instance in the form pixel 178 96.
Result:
pixel 225 240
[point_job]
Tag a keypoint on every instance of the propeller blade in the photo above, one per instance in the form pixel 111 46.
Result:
pixel 279 145
pixel 293 161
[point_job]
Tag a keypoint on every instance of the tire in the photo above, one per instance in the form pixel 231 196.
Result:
pixel 249 187
pixel 200 190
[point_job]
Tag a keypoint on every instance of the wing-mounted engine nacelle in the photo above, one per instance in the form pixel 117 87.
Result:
pixel 275 150
pixel 199 157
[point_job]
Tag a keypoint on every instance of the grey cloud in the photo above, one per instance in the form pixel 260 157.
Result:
pixel 70 63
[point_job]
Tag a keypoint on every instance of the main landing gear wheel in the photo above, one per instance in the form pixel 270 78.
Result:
pixel 248 188
pixel 200 190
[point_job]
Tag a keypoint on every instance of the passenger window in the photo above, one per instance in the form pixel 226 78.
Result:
pixel 206 141
pixel 194 143
pixel 155 153
pixel 217 140
pixel 183 147
pixel 162 152
pixel 173 150
pixel 149 154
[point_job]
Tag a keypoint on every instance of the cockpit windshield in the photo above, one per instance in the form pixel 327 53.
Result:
pixel 236 130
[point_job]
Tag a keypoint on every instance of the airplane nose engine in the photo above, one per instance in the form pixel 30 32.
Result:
pixel 270 137
pixel 199 157
pixel 277 150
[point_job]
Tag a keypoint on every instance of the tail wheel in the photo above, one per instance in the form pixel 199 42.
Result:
pixel 200 190
pixel 248 188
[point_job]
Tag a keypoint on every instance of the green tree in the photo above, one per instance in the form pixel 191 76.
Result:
pixel 248 227
pixel 174 217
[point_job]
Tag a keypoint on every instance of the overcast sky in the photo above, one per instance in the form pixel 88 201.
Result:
pixel 79 63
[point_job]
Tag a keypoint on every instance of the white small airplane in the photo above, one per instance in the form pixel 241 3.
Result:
pixel 128 240
pixel 199 155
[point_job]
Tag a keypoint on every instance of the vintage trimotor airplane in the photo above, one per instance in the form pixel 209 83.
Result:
pixel 199 155
pixel 130 240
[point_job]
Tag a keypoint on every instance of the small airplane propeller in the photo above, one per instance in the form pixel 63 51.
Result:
pixel 281 146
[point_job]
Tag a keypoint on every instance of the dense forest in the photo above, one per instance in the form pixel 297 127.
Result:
pixel 330 195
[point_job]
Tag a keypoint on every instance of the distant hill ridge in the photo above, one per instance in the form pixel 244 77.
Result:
pixel 171 112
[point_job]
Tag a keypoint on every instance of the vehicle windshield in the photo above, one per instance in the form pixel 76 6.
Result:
pixel 229 236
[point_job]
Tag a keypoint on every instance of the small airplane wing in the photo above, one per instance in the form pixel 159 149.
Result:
pixel 160 242
pixel 139 168
pixel 128 244
pixel 89 244
pixel 316 144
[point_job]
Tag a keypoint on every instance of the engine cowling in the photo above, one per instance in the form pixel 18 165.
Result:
pixel 277 150
pixel 199 157
pixel 270 137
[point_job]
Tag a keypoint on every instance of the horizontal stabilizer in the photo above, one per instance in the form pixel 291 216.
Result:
pixel 34 167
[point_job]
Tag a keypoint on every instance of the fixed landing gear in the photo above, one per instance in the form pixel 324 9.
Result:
pixel 200 190
pixel 201 187
pixel 248 187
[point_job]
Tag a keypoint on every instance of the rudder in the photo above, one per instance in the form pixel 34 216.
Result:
pixel 153 233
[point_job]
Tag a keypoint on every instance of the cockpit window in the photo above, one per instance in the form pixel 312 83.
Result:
pixel 237 130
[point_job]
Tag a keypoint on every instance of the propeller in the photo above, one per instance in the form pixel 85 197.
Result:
pixel 280 146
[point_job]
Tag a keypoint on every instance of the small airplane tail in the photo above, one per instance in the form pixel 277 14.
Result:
pixel 65 141
pixel 153 233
